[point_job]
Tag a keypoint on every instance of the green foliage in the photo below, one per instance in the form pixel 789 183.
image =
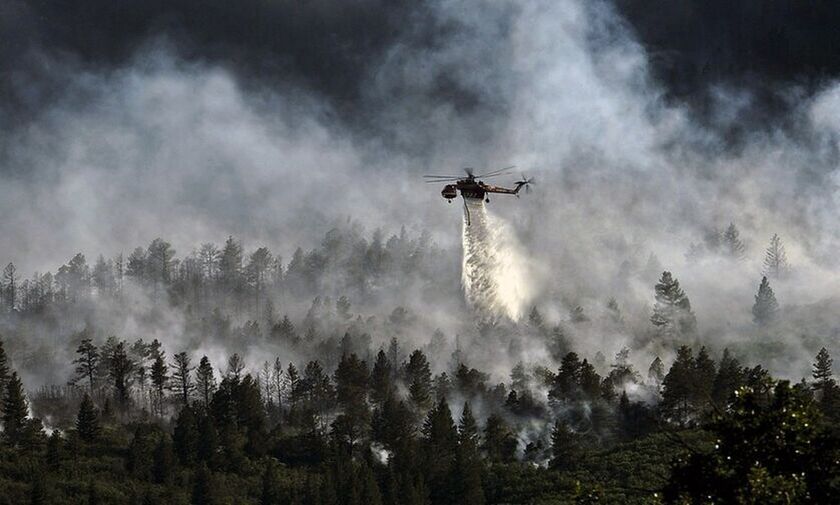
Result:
pixel 765 452
pixel 87 420
pixel 766 307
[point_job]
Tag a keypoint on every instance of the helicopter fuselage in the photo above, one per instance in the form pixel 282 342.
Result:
pixel 473 189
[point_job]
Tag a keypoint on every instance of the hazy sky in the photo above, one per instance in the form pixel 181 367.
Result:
pixel 270 120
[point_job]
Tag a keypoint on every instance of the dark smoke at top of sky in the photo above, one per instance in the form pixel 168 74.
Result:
pixel 331 47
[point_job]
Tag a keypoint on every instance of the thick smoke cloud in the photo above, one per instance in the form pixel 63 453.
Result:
pixel 270 123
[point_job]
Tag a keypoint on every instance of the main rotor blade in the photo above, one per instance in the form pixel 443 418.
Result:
pixel 493 172
pixel 443 176
pixel 492 175
pixel 441 181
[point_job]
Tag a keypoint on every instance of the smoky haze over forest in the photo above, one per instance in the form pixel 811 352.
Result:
pixel 276 121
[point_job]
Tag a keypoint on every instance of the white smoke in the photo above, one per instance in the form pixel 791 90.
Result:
pixel 496 274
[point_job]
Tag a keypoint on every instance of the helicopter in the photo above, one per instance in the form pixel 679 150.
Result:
pixel 472 188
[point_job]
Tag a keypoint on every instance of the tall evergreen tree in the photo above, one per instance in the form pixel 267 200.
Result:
pixel 15 410
pixel 5 370
pixel 728 379
pixel 678 387
pixel 87 420
pixel 419 378
pixel 205 380
pixel 672 314
pixel 704 378
pixel 185 436
pixel 775 259
pixel 381 385
pixel 160 376
pixel 182 383
pixel 87 362
pixel 732 244
pixel 765 308
pixel 9 287
pixel 565 446
pixel 120 367
pixel 656 372
pixel 822 369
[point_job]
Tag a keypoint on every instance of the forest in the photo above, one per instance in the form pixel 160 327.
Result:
pixel 233 377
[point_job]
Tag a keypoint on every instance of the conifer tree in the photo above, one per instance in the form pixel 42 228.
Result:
pixel 499 443
pixel 87 420
pixel 380 378
pixel 4 367
pixel 656 372
pixel 728 379
pixel 678 386
pixel 120 367
pixel 765 308
pixel 185 436
pixel 419 378
pixel 468 429
pixel 775 259
pixel 182 383
pixel 160 377
pixel 87 362
pixel 732 244
pixel 822 369
pixel 14 411
pixel 565 446
pixel 672 314
pixel 202 489
pixel 704 377
pixel 205 380
pixel 566 382
pixel 589 381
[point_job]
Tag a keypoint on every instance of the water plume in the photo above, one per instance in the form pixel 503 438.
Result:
pixel 495 271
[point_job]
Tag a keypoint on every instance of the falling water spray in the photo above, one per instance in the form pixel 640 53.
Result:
pixel 495 272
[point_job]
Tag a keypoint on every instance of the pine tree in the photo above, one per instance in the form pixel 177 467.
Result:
pixel 589 381
pixel 185 436
pixel 468 429
pixel 419 378
pixel 765 308
pixel 87 420
pixel 182 384
pixel 535 319
pixel 678 386
pixel 205 380
pixel 120 366
pixel 656 372
pixel 732 244
pixel 728 379
pixel 499 443
pixel 704 377
pixel 565 446
pixel 9 286
pixel 160 377
pixel 440 438
pixel 672 312
pixel 4 368
pixel 822 369
pixel 566 382
pixel 775 260
pixel 87 362
pixel 53 455
pixel 14 411
pixel 381 385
